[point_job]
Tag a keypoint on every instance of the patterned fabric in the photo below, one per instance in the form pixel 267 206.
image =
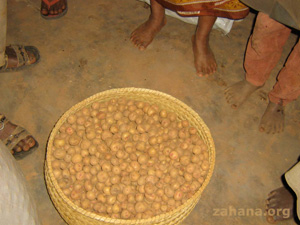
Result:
pixel 231 9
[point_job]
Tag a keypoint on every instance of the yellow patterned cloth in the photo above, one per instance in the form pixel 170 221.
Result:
pixel 231 9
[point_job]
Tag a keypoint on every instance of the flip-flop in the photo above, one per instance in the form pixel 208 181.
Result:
pixel 18 134
pixel 51 3
pixel 21 54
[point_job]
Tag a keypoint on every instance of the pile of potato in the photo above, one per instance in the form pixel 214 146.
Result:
pixel 128 159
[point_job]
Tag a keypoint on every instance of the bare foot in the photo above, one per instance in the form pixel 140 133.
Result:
pixel 53 7
pixel 239 92
pixel 145 33
pixel 204 58
pixel 273 119
pixel 279 205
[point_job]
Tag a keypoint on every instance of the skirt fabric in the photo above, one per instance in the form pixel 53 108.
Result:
pixel 231 9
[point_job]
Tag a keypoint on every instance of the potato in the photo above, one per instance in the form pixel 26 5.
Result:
pixel 140 145
pixel 178 195
pixel 71 119
pixel 205 165
pixel 134 176
pixel 106 134
pixel 102 176
pixel 57 173
pixel 185 160
pixel 173 172
pixel 150 197
pixel 169 192
pixel 80 175
pixel 111 199
pixel 59 142
pixel 172 116
pixel 80 120
pixel 76 158
pixel 78 167
pixel 142 159
pixel 74 140
pixel 190 168
pixel 106 166
pixel 88 185
pixel 115 189
pixel 140 207
pixel 116 170
pixel 90 195
pixel 174 155
pixel 135 165
pixel 150 188
pixel 115 179
pixel 59 153
pixel 188 177
pixel 163 208
pixel 195 185
pixel 75 195
pixel 85 144
pixel 125 214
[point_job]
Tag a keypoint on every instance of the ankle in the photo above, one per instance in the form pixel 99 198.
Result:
pixel 157 18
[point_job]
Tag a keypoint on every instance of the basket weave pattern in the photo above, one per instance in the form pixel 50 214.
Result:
pixel 73 214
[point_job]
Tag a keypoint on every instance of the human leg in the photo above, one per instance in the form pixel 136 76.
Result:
pixel 286 89
pixel 263 52
pixel 145 33
pixel 204 59
pixel 13 57
pixel 3 26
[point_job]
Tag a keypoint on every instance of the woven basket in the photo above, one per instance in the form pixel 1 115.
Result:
pixel 73 214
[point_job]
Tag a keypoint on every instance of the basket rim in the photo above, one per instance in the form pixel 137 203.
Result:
pixel 98 217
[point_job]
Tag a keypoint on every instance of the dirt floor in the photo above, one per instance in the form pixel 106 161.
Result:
pixel 89 51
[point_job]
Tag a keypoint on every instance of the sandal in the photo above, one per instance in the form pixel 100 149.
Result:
pixel 24 56
pixel 20 142
pixel 47 4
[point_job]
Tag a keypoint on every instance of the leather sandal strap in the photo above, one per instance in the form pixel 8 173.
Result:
pixel 3 121
pixel 51 3
pixel 25 55
pixel 21 57
pixel 16 136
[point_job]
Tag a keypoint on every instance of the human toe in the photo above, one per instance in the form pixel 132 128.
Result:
pixel 17 148
pixel 142 47
pixel 44 11
pixel 30 141
pixel 270 219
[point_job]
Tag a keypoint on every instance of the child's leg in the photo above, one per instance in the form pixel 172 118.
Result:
pixel 263 52
pixel 264 48
pixel 287 88
pixel 204 59
pixel 3 25
pixel 145 33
